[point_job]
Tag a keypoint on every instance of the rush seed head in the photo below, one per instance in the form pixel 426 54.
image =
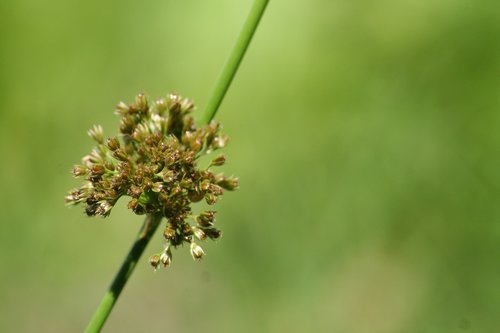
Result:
pixel 154 161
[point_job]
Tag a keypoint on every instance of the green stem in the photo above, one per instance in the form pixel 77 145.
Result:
pixel 152 221
pixel 108 301
pixel 234 60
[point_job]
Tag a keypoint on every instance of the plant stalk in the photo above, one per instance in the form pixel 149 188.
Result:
pixel 234 60
pixel 102 312
pixel 152 221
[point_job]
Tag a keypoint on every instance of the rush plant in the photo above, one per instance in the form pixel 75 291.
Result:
pixel 154 161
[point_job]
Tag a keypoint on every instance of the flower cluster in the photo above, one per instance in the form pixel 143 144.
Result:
pixel 154 162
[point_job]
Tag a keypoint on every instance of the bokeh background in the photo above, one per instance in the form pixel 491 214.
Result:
pixel 366 135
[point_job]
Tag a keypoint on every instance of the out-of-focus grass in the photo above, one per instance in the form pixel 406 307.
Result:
pixel 366 136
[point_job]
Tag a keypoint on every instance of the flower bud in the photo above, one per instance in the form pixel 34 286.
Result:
pixel 206 218
pixel 213 233
pixel 104 208
pixel 90 210
pixel 186 105
pixel 140 133
pixel 151 139
pixel 216 190
pixel 120 154
pixel 134 191
pixel 127 125
pixel 176 190
pixel 161 106
pixel 136 207
pixel 110 166
pixel 229 184
pixel 97 169
pixel 186 183
pixel 218 161
pixel 172 99
pixel 157 187
pixel 141 103
pixel 205 185
pixel 166 257
pixel 122 109
pixel 92 158
pixel 219 141
pixel 154 261
pixel 190 157
pixel 113 144
pixel 196 251
pixel 74 197
pixel 200 234
pixel 211 198
pixel 79 170
pixel 96 133
pixel 169 233
pixel 195 195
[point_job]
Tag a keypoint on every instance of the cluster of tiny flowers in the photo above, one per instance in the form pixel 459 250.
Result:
pixel 154 162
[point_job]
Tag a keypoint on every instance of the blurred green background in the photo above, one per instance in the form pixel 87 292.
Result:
pixel 366 135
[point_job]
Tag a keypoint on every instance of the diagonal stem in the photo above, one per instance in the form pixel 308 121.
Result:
pixel 102 312
pixel 234 60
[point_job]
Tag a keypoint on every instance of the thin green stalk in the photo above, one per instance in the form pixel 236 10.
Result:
pixel 108 301
pixel 152 221
pixel 234 60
